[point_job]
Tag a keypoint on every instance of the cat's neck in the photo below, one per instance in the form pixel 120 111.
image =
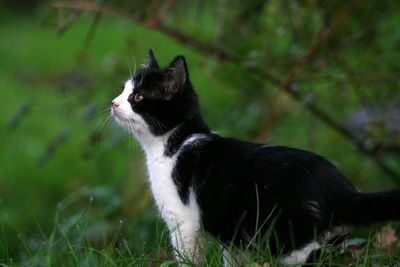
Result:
pixel 183 132
pixel 170 142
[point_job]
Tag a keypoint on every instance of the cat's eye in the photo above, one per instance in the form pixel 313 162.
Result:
pixel 137 97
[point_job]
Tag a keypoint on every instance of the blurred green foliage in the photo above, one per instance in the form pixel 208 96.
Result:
pixel 64 163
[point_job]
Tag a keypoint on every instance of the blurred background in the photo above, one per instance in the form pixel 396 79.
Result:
pixel 317 75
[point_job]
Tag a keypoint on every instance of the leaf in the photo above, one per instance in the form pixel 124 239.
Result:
pixel 259 265
pixel 386 238
pixel 352 244
pixel 167 263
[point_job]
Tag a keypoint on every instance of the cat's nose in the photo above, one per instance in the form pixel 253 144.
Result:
pixel 114 105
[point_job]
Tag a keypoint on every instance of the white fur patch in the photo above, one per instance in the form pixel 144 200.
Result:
pixel 194 139
pixel 336 231
pixel 314 208
pixel 183 220
pixel 301 255
pixel 124 110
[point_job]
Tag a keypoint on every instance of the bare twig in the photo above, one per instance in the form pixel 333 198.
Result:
pixel 220 20
pixel 166 6
pixel 63 24
pixel 61 138
pixel 92 30
pixel 216 80
pixel 19 115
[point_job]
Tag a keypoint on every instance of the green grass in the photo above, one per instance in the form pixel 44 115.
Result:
pixel 72 186
pixel 81 237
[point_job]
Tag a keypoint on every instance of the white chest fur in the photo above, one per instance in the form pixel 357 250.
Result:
pixel 177 215
pixel 164 190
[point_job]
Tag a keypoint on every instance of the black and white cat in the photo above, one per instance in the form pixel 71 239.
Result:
pixel 201 180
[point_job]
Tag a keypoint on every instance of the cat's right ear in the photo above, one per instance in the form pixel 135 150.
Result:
pixel 152 62
pixel 176 75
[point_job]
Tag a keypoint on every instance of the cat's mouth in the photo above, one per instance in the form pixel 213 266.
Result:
pixel 126 123
pixel 120 118
pixel 124 119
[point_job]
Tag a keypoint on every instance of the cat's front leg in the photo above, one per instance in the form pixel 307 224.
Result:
pixel 188 243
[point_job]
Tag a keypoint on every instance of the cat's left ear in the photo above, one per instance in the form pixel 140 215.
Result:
pixel 176 76
pixel 152 62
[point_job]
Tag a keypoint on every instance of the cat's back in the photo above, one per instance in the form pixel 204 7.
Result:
pixel 227 160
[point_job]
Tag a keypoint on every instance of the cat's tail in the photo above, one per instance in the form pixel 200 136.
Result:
pixel 363 208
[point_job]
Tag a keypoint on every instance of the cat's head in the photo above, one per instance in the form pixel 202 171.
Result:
pixel 155 100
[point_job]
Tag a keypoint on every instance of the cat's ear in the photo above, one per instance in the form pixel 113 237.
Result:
pixel 151 61
pixel 176 76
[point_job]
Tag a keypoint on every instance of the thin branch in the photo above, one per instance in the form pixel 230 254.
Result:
pixel 216 80
pixel 166 6
pixel 220 20
pixel 62 24
pixel 92 30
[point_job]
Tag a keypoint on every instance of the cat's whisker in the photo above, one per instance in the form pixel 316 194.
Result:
pixel 129 128
pixel 99 112
pixel 103 120
pixel 101 129
pixel 142 78
pixel 98 129
pixel 130 68
pixel 134 144
pixel 108 124
pixel 134 63
pixel 126 136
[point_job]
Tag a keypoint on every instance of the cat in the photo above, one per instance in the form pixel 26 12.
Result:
pixel 203 181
